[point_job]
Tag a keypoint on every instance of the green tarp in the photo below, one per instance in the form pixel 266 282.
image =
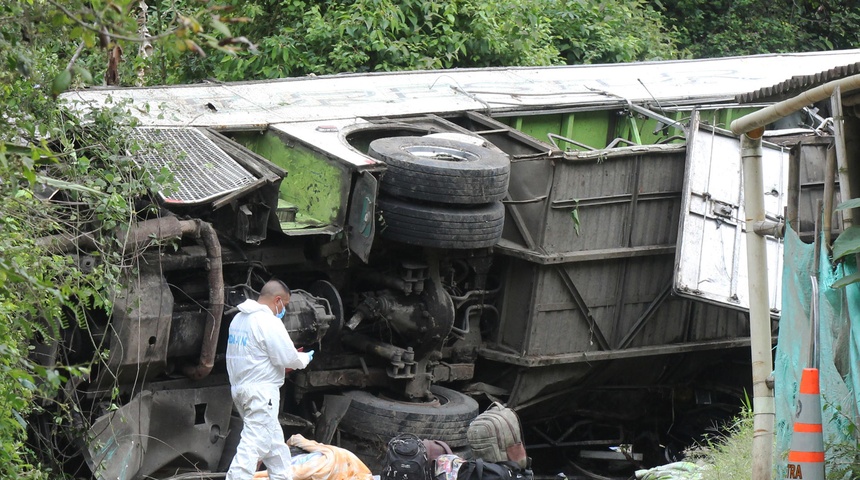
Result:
pixel 839 348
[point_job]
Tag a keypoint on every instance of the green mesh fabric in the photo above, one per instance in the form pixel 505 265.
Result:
pixel 839 346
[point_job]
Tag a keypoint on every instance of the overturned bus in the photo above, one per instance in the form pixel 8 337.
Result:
pixel 567 240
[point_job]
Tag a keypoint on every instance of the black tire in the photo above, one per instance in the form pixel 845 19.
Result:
pixel 447 418
pixel 442 170
pixel 441 226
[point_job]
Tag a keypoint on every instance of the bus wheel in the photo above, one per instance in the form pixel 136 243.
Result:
pixel 378 418
pixel 442 170
pixel 437 226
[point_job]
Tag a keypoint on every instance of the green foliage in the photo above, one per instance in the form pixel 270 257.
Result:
pixel 849 204
pixel 83 186
pixel 843 456
pixel 742 27
pixel 71 43
pixel 300 38
pixel 610 31
pixel 728 455
pixel 574 215
pixel 60 177
pixel 847 243
pixel 845 281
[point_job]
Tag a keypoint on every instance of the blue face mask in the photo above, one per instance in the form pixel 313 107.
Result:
pixel 282 311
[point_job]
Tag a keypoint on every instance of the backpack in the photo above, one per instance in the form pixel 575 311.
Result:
pixel 406 459
pixel 478 469
pixel 496 436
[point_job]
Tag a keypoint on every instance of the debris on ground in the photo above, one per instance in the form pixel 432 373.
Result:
pixel 672 471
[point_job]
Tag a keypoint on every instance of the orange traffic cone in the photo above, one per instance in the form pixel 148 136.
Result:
pixel 806 457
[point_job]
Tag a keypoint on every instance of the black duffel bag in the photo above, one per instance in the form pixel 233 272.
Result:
pixel 478 469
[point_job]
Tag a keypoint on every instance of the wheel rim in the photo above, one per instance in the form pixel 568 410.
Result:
pixel 441 153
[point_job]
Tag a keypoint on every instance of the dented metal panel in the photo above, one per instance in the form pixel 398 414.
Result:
pixel 316 186
pixel 257 104
pixel 594 256
pixel 712 255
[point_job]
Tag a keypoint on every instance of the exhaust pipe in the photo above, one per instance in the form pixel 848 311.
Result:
pixel 206 233
pixel 142 235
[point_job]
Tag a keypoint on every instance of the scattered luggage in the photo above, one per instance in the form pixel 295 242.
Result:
pixel 326 462
pixel 406 459
pixel 478 469
pixel 436 448
pixel 448 466
pixel 496 436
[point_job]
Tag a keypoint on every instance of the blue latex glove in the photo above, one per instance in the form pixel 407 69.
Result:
pixel 310 356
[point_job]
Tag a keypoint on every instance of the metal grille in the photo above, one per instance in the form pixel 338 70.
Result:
pixel 202 170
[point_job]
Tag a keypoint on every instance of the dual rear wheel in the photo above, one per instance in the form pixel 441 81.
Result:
pixel 441 193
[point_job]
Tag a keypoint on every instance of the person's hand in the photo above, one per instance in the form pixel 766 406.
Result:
pixel 300 349
pixel 310 356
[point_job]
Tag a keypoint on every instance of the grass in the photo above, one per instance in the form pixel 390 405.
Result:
pixel 728 455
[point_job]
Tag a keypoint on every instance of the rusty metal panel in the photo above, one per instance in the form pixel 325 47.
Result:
pixel 615 301
pixel 641 292
pixel 711 322
pixel 561 323
pixel 140 332
pixel 625 199
pixel 669 325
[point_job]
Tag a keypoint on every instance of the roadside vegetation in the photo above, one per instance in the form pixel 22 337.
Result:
pixel 50 46
pixel 728 455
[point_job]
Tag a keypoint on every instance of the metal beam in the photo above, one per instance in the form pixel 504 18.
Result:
pixel 520 224
pixel 583 308
pixel 580 357
pixel 646 315
pixel 512 250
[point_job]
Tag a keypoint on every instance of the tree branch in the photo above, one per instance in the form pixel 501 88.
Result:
pixel 109 34
pixel 76 55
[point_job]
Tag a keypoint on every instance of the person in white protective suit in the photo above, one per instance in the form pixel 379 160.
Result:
pixel 259 349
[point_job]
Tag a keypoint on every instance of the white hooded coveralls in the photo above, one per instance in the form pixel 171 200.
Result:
pixel 258 350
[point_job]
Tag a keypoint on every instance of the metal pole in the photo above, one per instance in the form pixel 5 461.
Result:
pixel 760 331
pixel 784 108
